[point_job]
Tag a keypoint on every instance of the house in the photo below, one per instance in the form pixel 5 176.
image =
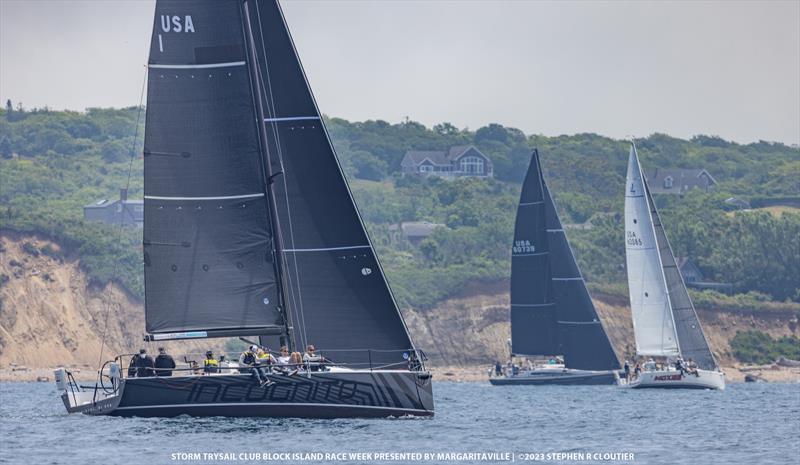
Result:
pixel 122 211
pixel 679 181
pixel 458 161
pixel 416 231
pixel 693 277
pixel 690 272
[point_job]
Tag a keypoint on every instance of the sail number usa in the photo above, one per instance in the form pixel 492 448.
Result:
pixel 523 247
pixel 632 239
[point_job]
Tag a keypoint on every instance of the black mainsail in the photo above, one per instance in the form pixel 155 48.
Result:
pixel 248 216
pixel 551 310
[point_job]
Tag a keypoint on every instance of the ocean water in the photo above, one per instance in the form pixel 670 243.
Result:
pixel 745 424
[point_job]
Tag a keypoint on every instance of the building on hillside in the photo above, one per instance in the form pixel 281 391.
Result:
pixel 122 211
pixel 679 181
pixel 458 161
pixel 415 231
pixel 737 203
pixel 693 277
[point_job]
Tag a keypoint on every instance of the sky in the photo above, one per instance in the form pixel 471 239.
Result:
pixel 616 68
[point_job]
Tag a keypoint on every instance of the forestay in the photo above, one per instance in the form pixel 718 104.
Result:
pixel 691 340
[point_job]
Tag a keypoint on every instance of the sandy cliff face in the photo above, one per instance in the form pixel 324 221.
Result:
pixel 50 314
pixel 473 328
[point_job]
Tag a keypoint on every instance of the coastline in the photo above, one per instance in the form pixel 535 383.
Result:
pixel 459 374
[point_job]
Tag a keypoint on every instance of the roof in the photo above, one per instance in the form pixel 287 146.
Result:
pixel 441 158
pixel 680 178
pixel 105 203
pixel 417 228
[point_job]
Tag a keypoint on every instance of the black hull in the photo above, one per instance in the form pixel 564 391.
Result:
pixel 351 394
pixel 558 379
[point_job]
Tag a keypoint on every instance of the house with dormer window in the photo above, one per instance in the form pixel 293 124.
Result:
pixel 679 181
pixel 458 161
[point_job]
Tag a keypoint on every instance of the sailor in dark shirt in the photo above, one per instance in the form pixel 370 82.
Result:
pixel 144 365
pixel 164 363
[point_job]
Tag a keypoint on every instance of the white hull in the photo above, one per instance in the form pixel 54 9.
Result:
pixel 674 379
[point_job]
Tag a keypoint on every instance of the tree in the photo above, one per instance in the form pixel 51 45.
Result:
pixel 445 129
pixel 5 147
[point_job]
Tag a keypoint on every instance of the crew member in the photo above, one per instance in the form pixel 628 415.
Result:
pixel 679 365
pixel 627 369
pixel 164 363
pixel 210 364
pixel 313 360
pixel 144 364
pixel 283 358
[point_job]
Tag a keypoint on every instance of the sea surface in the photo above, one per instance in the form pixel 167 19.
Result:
pixel 745 424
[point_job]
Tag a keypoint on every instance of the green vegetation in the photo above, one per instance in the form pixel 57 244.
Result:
pixel 760 348
pixel 53 163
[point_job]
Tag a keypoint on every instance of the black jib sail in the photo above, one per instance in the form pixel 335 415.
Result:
pixel 337 291
pixel 552 312
pixel 232 126
pixel 692 342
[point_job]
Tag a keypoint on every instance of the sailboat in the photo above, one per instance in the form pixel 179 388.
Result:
pixel 664 319
pixel 552 314
pixel 251 230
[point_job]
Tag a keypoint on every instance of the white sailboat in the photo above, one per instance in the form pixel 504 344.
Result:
pixel 664 320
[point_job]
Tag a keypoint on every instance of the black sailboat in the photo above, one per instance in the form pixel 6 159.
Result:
pixel 250 230
pixel 552 314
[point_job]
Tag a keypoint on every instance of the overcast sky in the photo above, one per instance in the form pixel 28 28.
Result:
pixel 617 68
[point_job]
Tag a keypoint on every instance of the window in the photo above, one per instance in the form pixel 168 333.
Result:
pixel 472 165
pixel 426 169
pixel 668 182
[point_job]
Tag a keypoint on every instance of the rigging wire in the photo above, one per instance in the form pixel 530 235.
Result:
pixel 274 127
pixel 121 220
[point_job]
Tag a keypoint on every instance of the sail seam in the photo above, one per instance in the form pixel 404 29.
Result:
pixel 568 279
pixel 529 254
pixel 198 66
pixel 523 204
pixel 578 322
pixel 324 249
pixel 224 197
pixel 290 118
pixel 533 305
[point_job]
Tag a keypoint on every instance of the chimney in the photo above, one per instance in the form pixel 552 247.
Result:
pixel 123 195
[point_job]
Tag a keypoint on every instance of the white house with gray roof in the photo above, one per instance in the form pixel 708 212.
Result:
pixel 458 161
pixel 679 181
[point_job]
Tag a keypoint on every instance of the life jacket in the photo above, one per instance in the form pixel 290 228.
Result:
pixel 249 358
pixel 210 362
pixel 265 359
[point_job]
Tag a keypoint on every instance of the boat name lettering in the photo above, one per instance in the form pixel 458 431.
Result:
pixel 176 23
pixel 524 246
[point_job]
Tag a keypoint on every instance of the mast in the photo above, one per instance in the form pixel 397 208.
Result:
pixel 269 176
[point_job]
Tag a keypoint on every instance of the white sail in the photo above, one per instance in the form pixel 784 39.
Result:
pixel 653 323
